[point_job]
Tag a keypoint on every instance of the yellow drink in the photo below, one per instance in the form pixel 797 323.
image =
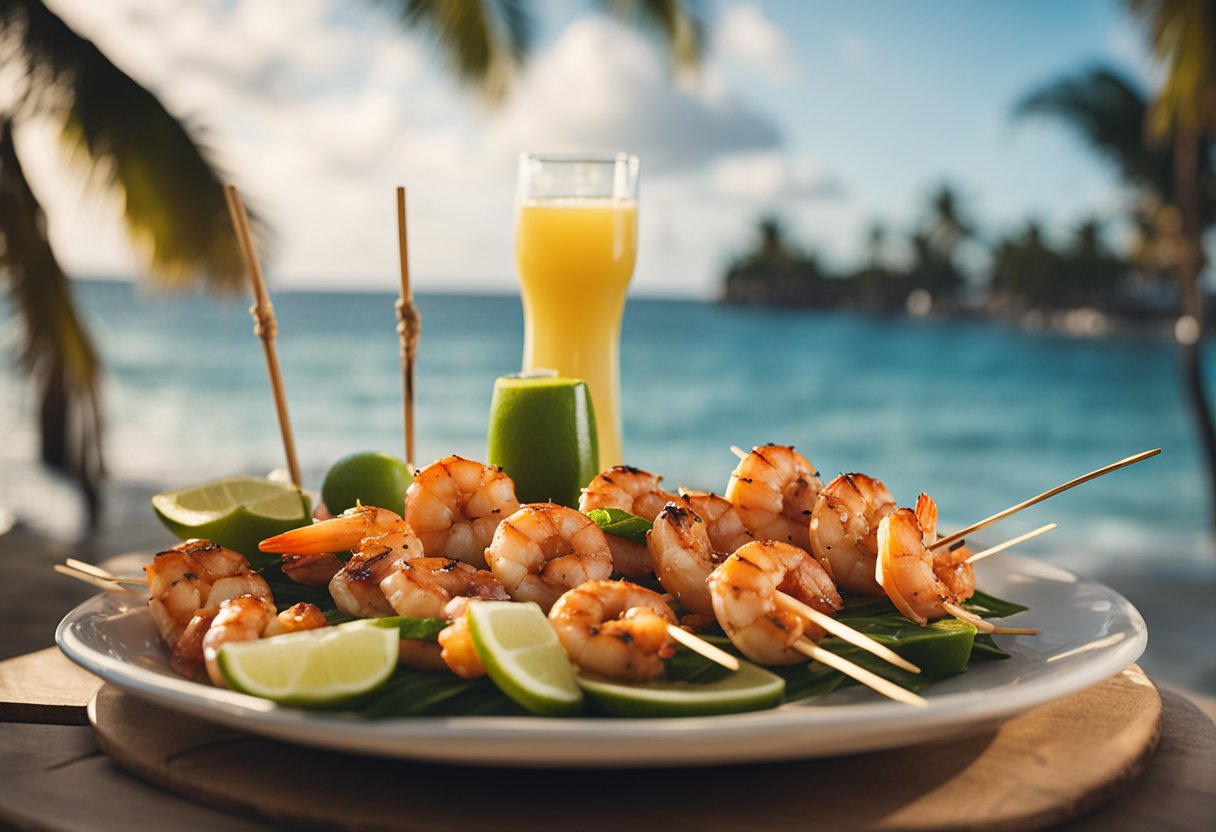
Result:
pixel 575 257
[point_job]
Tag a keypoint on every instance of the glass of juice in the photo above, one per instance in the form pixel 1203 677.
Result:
pixel 575 245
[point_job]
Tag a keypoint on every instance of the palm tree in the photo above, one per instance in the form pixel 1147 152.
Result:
pixel 876 247
pixel 1182 34
pixel 1116 118
pixel 172 201
pixel 170 189
pixel 948 226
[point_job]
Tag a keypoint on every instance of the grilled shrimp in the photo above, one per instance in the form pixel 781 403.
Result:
pixel 441 588
pixel 615 628
pixel 378 539
pixel 774 488
pixel 455 504
pixel 247 618
pixel 543 549
pixel 844 530
pixel 743 591
pixel 908 571
pixel 632 490
pixel 180 581
pixel 722 520
pixel 691 536
pixel 950 564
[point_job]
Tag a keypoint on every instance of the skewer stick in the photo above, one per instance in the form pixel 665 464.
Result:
pixel 1001 515
pixel 844 631
pixel 409 328
pixel 1022 538
pixel 873 681
pixel 264 324
pixel 98 572
pixel 101 583
pixel 703 647
pixel 983 625
pixel 739 452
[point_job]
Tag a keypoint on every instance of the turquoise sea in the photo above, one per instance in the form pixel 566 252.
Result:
pixel 980 415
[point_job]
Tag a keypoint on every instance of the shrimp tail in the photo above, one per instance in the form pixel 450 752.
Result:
pixel 337 535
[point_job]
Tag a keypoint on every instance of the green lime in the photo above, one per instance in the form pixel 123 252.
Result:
pixel 939 649
pixel 237 512
pixel 750 688
pixel 368 477
pixel 542 433
pixel 313 668
pixel 523 656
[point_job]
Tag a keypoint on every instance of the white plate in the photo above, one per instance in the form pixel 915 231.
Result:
pixel 1088 633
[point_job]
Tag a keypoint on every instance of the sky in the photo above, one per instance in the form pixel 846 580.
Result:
pixel 829 114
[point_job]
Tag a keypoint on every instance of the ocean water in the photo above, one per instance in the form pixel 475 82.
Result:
pixel 978 414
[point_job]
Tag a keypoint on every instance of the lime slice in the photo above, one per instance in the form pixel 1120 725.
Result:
pixel 237 512
pixel 523 656
pixel 751 688
pixel 542 433
pixel 313 668
pixel 372 478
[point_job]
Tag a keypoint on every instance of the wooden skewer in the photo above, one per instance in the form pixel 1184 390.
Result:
pixel 101 583
pixel 703 647
pixel 1001 515
pixel 264 325
pixel 739 452
pixel 1015 631
pixel 98 572
pixel 983 625
pixel 873 681
pixel 1022 538
pixel 844 631
pixel 409 329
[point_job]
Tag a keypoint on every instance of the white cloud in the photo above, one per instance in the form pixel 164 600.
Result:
pixel 602 86
pixel 771 176
pixel 317 111
pixel 746 35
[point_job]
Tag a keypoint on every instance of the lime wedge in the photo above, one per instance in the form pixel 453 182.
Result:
pixel 372 478
pixel 314 668
pixel 237 512
pixel 751 688
pixel 523 656
pixel 542 433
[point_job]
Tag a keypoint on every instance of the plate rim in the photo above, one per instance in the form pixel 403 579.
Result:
pixel 481 739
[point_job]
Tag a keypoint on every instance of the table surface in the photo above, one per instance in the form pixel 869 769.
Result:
pixel 50 752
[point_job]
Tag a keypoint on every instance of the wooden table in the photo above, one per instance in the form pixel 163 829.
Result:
pixel 54 775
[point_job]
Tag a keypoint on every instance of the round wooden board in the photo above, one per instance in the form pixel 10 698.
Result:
pixel 1036 770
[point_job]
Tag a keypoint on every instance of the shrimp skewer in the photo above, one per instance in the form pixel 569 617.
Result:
pixel 907 571
pixel 744 589
pixel 1008 544
pixel 615 628
pixel 1038 498
pixel 681 545
pixel 378 539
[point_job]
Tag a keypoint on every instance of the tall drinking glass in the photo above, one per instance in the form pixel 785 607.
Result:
pixel 575 245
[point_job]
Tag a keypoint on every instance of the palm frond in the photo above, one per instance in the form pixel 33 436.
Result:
pixel 484 41
pixel 1182 34
pixel 173 201
pixel 1108 110
pixel 679 25
pixel 55 349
